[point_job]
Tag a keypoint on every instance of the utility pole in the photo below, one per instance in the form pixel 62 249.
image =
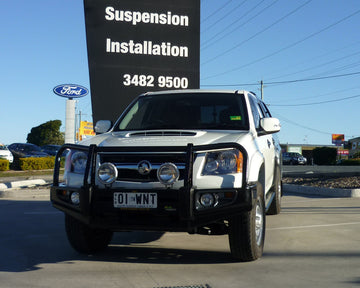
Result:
pixel 262 89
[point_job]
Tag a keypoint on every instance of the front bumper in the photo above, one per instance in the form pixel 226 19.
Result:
pixel 175 210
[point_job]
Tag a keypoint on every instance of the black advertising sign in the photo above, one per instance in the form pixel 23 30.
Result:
pixel 135 46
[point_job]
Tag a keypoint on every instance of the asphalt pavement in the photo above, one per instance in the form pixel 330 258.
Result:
pixel 313 242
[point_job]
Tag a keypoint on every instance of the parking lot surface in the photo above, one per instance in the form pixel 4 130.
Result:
pixel 314 242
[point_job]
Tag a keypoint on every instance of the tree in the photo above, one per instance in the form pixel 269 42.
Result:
pixel 46 133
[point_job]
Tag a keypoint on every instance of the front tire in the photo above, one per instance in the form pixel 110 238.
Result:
pixel 85 239
pixel 247 231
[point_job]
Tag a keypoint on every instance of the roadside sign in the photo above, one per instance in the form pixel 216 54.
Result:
pixel 140 46
pixel 70 91
pixel 343 152
pixel 338 139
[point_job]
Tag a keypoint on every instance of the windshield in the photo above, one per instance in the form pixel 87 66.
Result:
pixel 31 148
pixel 186 111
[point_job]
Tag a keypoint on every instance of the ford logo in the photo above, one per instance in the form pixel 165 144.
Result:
pixel 70 91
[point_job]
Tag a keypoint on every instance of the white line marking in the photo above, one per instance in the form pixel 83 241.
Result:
pixel 313 226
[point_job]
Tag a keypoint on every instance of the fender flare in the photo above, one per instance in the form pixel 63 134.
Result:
pixel 256 164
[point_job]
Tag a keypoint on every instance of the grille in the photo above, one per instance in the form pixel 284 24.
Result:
pixel 127 164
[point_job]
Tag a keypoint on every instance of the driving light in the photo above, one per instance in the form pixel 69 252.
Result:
pixel 75 198
pixel 218 199
pixel 107 173
pixel 168 173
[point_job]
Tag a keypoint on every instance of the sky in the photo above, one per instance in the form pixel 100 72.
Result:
pixel 306 53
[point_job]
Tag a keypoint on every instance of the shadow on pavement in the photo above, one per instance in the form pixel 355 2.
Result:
pixel 32 233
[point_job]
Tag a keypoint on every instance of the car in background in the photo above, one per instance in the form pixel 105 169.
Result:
pixel 293 158
pixel 25 150
pixel 5 153
pixel 50 149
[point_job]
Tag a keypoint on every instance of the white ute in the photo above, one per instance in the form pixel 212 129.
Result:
pixel 197 161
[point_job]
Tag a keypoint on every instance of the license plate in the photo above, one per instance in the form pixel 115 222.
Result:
pixel 135 200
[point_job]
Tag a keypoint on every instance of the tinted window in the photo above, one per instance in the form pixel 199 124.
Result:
pixel 265 109
pixel 255 111
pixel 187 111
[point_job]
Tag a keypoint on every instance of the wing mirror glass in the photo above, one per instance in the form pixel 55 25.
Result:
pixel 102 126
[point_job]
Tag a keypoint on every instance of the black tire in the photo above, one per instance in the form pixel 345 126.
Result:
pixel 275 206
pixel 247 231
pixel 85 239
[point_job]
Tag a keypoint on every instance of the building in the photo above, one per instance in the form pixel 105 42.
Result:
pixel 354 146
pixel 306 150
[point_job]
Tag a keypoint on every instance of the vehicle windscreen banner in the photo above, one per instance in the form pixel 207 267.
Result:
pixel 135 46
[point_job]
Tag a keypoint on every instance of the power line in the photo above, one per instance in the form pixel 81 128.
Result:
pixel 237 27
pixel 216 11
pixel 333 92
pixel 286 47
pixel 225 16
pixel 317 103
pixel 318 66
pixel 283 82
pixel 259 32
pixel 341 68
pixel 313 79
pixel 282 118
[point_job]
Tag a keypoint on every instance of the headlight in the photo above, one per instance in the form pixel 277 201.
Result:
pixel 78 162
pixel 107 173
pixel 207 200
pixel 168 173
pixel 223 162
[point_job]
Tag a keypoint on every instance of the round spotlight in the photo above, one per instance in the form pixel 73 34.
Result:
pixel 107 173
pixel 207 200
pixel 75 198
pixel 168 173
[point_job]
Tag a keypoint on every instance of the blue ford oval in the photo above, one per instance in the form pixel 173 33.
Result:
pixel 70 91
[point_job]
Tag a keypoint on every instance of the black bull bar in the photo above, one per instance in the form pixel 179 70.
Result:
pixel 187 216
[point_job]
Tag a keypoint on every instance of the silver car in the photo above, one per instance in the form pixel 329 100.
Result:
pixel 293 158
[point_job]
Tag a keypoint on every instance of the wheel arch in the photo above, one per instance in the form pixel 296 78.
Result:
pixel 256 169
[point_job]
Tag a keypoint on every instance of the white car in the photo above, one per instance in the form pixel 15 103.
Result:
pixel 5 153
pixel 198 161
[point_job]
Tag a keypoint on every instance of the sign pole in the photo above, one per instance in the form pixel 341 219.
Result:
pixel 70 121
pixel 70 91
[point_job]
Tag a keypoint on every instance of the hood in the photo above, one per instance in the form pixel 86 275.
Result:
pixel 165 138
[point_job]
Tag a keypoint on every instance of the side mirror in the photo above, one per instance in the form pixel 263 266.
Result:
pixel 102 126
pixel 269 125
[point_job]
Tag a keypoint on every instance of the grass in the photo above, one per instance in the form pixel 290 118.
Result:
pixel 15 173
